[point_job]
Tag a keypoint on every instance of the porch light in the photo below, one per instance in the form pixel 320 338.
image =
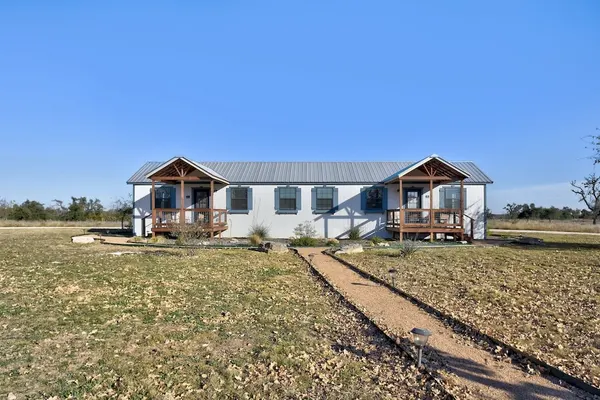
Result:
pixel 393 273
pixel 420 338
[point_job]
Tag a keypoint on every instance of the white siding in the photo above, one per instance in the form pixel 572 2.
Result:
pixel 327 225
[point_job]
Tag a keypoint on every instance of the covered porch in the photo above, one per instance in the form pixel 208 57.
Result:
pixel 423 211
pixel 169 211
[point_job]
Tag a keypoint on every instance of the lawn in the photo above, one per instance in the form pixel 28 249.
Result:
pixel 542 299
pixel 573 225
pixel 77 321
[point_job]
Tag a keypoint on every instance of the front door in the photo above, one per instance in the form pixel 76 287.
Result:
pixel 412 198
pixel 201 199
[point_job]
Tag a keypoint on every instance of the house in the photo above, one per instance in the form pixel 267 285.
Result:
pixel 440 199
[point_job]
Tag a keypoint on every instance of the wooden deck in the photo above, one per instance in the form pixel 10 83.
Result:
pixel 427 221
pixel 208 220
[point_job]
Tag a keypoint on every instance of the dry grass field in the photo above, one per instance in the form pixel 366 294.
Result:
pixel 542 299
pixel 51 223
pixel 540 225
pixel 76 321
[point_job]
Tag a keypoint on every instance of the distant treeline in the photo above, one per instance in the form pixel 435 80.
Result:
pixel 79 209
pixel 531 211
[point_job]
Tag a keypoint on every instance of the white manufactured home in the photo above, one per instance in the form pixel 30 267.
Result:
pixel 431 199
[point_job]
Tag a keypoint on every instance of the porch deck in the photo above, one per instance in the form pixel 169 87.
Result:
pixel 419 220
pixel 207 220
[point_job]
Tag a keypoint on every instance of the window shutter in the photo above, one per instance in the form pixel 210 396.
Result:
pixel 385 198
pixel 277 199
pixel 363 199
pixel 465 204
pixel 249 199
pixel 442 197
pixel 173 197
pixel 298 198
pixel 228 198
pixel 336 205
pixel 313 200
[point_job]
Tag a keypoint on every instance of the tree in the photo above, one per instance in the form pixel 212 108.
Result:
pixel 5 208
pixel 29 211
pixel 513 210
pixel 123 208
pixel 588 192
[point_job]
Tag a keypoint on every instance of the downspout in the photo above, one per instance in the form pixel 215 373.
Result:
pixel 484 211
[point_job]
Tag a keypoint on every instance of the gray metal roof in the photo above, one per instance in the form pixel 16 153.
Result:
pixel 264 172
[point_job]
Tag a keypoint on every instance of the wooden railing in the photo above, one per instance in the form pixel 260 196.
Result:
pixel 421 217
pixel 206 217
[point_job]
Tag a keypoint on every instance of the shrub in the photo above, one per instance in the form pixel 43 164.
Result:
pixel 332 242
pixel 354 233
pixel 376 240
pixel 305 229
pixel 187 232
pixel 259 229
pixel 304 241
pixel 157 239
pixel 409 248
pixel 255 239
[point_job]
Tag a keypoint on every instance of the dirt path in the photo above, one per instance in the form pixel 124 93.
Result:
pixel 466 365
pixel 544 232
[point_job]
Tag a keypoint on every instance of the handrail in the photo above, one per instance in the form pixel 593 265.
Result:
pixel 471 225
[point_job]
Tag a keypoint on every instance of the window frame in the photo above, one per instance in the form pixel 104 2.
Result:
pixel 365 199
pixel 229 200
pixel 297 199
pixel 315 200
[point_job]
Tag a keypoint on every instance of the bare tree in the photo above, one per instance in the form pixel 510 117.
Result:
pixel 588 192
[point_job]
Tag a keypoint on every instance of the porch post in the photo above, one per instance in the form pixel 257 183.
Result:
pixel 400 208
pixel 211 206
pixel 431 216
pixel 153 200
pixel 462 209
pixel 181 203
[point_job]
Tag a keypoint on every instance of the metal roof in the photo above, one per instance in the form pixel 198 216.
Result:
pixel 311 172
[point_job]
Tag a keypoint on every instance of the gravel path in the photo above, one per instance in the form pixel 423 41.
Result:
pixel 466 365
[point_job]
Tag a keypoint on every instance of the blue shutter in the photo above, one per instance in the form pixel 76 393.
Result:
pixel 249 199
pixel 336 205
pixel 385 199
pixel 442 197
pixel 363 198
pixel 173 197
pixel 465 204
pixel 298 198
pixel 276 199
pixel 313 201
pixel 228 198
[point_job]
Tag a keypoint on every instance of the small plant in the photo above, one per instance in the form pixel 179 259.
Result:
pixel 157 239
pixel 137 239
pixel 259 229
pixel 255 239
pixel 185 233
pixel 332 242
pixel 376 240
pixel 306 229
pixel 354 233
pixel 409 248
pixel 304 241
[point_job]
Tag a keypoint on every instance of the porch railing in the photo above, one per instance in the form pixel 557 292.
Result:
pixel 421 217
pixel 206 217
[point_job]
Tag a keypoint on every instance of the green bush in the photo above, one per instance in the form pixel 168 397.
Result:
pixel 259 229
pixel 376 240
pixel 332 242
pixel 304 241
pixel 306 229
pixel 409 248
pixel 354 233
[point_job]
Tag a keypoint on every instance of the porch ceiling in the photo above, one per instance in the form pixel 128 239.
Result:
pixel 430 168
pixel 182 169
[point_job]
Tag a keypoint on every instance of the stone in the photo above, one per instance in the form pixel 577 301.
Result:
pixel 273 247
pixel 234 240
pixel 383 244
pixel 82 239
pixel 350 249
pixel 528 240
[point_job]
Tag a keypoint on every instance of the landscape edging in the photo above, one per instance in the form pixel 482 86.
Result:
pixel 379 328
pixel 570 379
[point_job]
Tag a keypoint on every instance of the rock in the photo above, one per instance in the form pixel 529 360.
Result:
pixel 205 243
pixel 528 240
pixel 350 249
pixel 383 244
pixel 11 396
pixel 273 247
pixel 234 240
pixel 82 239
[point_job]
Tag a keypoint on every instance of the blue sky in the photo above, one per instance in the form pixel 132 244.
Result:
pixel 90 92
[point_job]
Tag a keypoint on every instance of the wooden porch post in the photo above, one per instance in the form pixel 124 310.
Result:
pixel 211 206
pixel 400 208
pixel 153 200
pixel 431 209
pixel 462 209
pixel 181 203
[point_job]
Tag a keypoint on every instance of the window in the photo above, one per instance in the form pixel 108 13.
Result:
pixel 164 197
pixel 450 197
pixel 324 199
pixel 239 200
pixel 374 199
pixel 287 199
